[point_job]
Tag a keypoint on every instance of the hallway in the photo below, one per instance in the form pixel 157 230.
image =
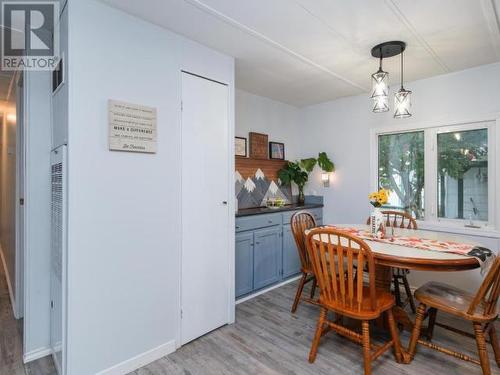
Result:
pixel 11 335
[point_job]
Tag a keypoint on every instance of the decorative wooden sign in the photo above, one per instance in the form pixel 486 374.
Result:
pixel 247 167
pixel 258 146
pixel 132 127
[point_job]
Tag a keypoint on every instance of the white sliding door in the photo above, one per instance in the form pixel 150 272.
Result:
pixel 205 281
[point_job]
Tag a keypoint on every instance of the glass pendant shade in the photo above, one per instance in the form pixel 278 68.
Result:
pixel 380 104
pixel 380 84
pixel 402 103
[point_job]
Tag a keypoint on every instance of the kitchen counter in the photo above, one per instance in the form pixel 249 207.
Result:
pixel 265 210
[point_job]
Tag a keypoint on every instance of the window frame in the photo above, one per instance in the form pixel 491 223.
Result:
pixel 431 130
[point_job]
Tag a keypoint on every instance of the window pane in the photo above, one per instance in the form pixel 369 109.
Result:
pixel 463 175
pixel 401 170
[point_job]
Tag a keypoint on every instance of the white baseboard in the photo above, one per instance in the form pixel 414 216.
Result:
pixel 241 300
pixel 140 360
pixel 36 354
pixel 9 285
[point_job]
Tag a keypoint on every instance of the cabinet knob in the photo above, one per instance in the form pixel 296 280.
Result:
pixel 270 221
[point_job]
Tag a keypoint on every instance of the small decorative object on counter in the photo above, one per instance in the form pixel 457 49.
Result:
pixel 275 203
pixel 377 224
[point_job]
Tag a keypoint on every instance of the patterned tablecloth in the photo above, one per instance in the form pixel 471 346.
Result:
pixel 483 254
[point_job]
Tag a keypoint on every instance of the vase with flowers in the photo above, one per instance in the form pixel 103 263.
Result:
pixel 377 224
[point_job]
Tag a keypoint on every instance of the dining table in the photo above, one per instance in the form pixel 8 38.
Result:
pixel 389 255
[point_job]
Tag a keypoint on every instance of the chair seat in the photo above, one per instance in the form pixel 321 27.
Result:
pixel 385 301
pixel 451 300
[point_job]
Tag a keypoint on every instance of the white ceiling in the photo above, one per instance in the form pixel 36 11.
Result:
pixel 309 51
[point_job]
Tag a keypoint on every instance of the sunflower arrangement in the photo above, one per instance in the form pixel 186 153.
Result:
pixel 379 198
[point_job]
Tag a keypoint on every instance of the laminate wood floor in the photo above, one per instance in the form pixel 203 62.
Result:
pixel 266 339
pixel 11 336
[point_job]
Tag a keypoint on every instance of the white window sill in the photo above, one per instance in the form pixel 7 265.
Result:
pixel 458 229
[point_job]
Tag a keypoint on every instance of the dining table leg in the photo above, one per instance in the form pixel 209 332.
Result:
pixel 383 280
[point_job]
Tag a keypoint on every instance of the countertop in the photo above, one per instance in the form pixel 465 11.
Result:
pixel 265 210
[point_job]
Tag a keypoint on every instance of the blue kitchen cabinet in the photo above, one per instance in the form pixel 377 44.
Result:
pixel 244 263
pixel 265 250
pixel 291 258
pixel 267 256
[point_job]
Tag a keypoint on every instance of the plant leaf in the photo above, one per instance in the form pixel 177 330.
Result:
pixel 325 163
pixel 308 164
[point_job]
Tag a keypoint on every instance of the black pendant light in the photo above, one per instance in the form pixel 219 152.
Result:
pixel 380 81
pixel 380 89
pixel 402 99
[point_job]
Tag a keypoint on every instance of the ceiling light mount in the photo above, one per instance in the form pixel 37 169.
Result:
pixel 388 49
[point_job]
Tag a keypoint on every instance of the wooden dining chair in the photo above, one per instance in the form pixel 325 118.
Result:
pixel 333 256
pixel 400 219
pixel 300 222
pixel 480 309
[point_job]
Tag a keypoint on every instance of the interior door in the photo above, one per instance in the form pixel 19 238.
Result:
pixel 205 280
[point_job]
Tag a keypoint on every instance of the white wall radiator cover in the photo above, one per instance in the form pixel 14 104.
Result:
pixel 58 256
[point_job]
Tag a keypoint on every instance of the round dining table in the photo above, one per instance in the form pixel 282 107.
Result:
pixel 388 255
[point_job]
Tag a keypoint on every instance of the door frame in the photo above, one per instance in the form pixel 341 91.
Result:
pixel 231 202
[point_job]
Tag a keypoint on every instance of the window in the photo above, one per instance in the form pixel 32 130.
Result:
pixel 401 170
pixel 443 174
pixel 463 175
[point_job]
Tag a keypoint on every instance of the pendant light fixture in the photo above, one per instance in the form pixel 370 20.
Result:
pixel 402 99
pixel 380 81
pixel 380 89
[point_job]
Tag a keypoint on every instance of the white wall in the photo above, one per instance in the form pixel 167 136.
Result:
pixel 342 128
pixel 124 208
pixel 263 115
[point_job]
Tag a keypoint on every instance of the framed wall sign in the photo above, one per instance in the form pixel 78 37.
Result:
pixel 277 150
pixel 240 147
pixel 132 127
pixel 258 146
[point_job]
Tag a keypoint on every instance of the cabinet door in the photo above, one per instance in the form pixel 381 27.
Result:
pixel 267 257
pixel 291 258
pixel 244 263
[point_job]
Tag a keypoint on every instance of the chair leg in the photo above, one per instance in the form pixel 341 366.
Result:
pixel 481 347
pixel 317 335
pixel 397 292
pixel 313 287
pixel 432 322
pixel 415 335
pixel 494 343
pixel 300 288
pixel 395 336
pixel 409 295
pixel 365 326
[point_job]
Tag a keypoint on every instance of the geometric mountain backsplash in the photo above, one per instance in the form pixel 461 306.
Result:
pixel 255 190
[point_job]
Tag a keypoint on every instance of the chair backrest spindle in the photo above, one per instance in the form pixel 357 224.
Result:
pixel 398 219
pixel 300 222
pixel 334 255
pixel 489 291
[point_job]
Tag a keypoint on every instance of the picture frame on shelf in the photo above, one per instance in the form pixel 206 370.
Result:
pixel 258 146
pixel 240 147
pixel 276 150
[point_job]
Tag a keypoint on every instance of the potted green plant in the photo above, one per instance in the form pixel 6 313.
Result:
pixel 298 171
